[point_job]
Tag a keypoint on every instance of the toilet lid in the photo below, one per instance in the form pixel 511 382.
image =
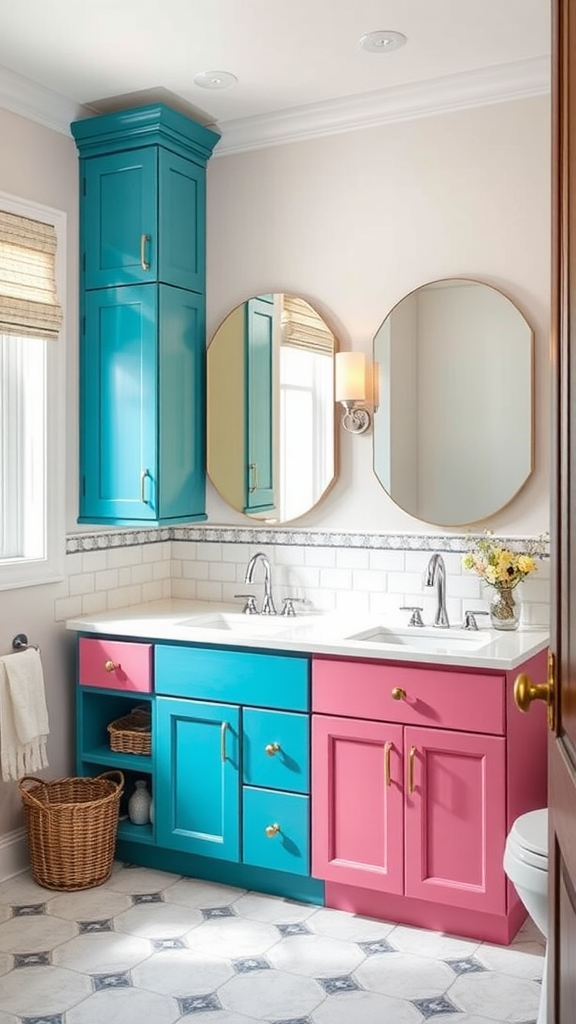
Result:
pixel 530 831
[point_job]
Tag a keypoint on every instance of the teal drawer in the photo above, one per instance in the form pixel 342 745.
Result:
pixel 275 831
pixel 238 677
pixel 276 749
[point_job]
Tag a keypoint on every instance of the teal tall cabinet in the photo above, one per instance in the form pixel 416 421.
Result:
pixel 142 316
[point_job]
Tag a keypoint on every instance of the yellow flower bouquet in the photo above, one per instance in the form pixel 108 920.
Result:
pixel 502 568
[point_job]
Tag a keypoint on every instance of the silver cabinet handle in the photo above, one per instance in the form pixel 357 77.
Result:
pixel 143 261
pixel 143 475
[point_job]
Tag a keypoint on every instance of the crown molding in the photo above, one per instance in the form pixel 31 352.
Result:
pixel 499 84
pixel 504 82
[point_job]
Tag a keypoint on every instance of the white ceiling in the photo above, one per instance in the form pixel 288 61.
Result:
pixel 298 62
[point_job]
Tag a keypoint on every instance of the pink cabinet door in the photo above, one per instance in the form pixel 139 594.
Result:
pixel 455 819
pixel 357 803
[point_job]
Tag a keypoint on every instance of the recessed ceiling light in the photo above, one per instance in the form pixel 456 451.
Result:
pixel 215 79
pixel 382 41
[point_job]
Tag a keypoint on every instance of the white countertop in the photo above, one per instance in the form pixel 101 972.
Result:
pixel 204 623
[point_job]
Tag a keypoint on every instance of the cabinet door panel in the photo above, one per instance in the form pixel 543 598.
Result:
pixel 259 339
pixel 197 777
pixel 357 817
pixel 455 819
pixel 118 428
pixel 182 217
pixel 119 208
pixel 275 749
pixel 287 848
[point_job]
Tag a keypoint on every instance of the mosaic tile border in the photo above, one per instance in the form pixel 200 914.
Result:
pixel 102 541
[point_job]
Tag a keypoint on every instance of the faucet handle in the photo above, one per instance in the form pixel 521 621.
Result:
pixel 470 619
pixel 288 605
pixel 416 618
pixel 250 606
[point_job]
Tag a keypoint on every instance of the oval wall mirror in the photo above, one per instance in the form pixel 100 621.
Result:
pixel 270 408
pixel 453 379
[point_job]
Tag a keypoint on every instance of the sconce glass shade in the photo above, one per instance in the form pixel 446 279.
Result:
pixel 350 377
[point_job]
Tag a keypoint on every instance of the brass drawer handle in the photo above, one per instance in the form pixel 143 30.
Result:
pixel 110 666
pixel 398 693
pixel 411 756
pixel 272 830
pixel 272 748
pixel 143 261
pixel 387 776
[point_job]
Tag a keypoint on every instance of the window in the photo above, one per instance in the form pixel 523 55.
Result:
pixel 31 393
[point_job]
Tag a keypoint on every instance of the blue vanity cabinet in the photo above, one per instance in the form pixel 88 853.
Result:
pixel 142 343
pixel 232 776
pixel 259 365
pixel 142 431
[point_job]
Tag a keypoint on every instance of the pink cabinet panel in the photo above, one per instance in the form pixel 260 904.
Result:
pixel 455 819
pixel 115 665
pixel 441 697
pixel 357 803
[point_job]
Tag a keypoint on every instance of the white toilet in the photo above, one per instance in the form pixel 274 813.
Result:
pixel 526 865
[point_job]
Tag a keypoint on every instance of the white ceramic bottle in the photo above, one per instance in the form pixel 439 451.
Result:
pixel 139 804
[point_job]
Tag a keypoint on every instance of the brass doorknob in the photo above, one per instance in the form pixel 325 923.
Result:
pixel 398 693
pixel 272 830
pixel 110 666
pixel 272 748
pixel 525 691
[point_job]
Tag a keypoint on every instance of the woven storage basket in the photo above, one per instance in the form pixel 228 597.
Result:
pixel 71 826
pixel 131 734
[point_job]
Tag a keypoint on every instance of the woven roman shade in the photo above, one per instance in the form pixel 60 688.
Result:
pixel 303 328
pixel 28 300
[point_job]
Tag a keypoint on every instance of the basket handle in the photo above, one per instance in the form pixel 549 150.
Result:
pixel 115 776
pixel 29 794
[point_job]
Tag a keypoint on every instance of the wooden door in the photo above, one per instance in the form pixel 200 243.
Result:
pixel 357 803
pixel 197 777
pixel 455 824
pixel 562 744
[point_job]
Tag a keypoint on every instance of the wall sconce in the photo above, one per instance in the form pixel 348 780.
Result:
pixel 350 390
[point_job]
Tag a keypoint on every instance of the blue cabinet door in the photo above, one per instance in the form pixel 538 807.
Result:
pixel 143 220
pixel 119 237
pixel 142 442
pixel 259 341
pixel 197 777
pixel 118 471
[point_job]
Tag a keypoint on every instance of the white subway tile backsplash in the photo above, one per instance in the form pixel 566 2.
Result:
pixel 367 574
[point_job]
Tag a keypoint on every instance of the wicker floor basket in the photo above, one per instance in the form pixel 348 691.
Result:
pixel 71 826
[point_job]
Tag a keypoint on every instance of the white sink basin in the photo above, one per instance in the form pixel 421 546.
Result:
pixel 238 622
pixel 419 639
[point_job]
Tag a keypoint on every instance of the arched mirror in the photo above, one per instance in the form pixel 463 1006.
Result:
pixel 270 408
pixel 453 396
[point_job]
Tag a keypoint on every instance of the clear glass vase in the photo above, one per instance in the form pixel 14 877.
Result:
pixel 504 609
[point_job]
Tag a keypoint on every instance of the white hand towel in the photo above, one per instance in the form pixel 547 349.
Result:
pixel 23 715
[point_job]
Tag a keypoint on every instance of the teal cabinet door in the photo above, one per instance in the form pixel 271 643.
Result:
pixel 259 341
pixel 119 237
pixel 197 777
pixel 143 220
pixel 118 468
pixel 275 830
pixel 142 438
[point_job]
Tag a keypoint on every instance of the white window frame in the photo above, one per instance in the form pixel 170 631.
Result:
pixel 22 571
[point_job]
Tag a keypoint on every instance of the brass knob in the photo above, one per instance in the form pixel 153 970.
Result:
pixel 110 666
pixel 272 748
pixel 525 691
pixel 272 830
pixel 398 693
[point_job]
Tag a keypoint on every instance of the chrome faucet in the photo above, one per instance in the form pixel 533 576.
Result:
pixel 436 576
pixel 268 601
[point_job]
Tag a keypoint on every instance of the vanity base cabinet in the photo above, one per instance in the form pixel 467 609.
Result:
pixel 411 806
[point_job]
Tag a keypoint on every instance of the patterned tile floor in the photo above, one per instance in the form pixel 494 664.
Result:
pixel 154 947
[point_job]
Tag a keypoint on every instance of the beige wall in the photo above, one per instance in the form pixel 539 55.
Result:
pixel 351 222
pixel 354 222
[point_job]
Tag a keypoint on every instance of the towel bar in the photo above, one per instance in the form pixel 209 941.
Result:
pixel 20 643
